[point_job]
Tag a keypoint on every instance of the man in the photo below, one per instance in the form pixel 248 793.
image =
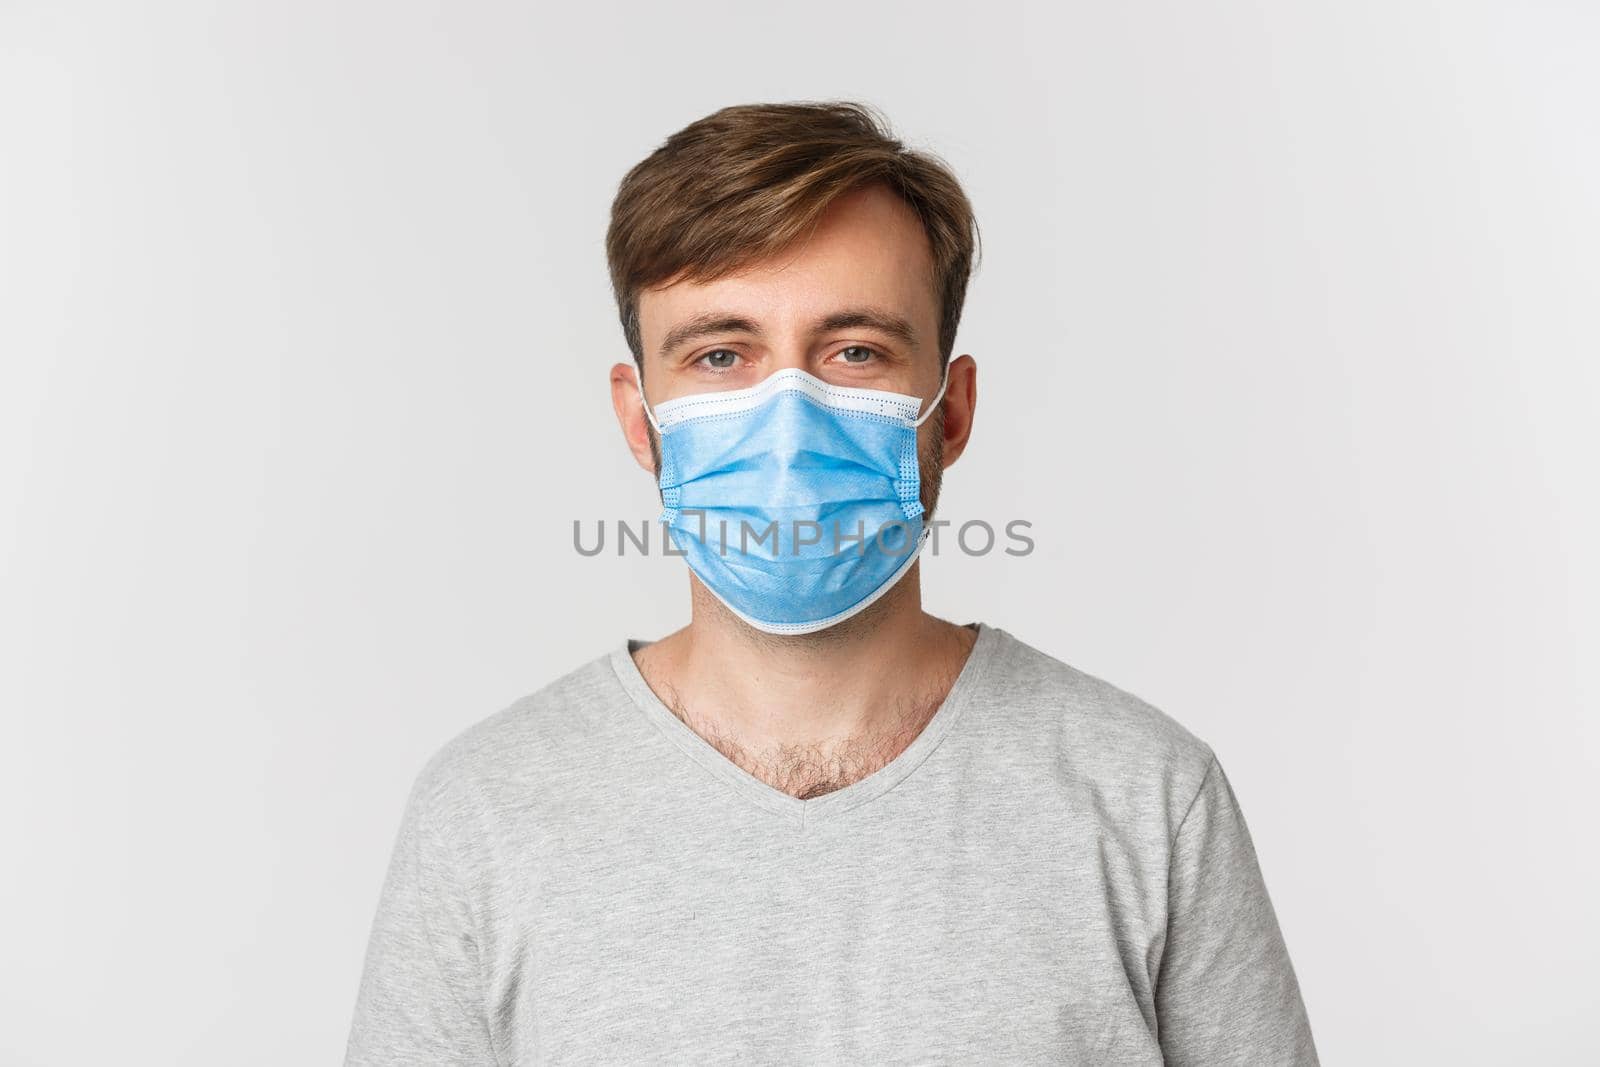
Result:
pixel 816 825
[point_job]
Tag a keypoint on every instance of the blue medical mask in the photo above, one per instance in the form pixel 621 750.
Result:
pixel 797 503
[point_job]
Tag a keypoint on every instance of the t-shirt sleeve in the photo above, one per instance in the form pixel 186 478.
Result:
pixel 1226 992
pixel 421 998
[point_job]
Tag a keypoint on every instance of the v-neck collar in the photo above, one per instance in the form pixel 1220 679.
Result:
pixel 775 800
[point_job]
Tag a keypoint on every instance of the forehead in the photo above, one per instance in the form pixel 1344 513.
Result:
pixel 868 248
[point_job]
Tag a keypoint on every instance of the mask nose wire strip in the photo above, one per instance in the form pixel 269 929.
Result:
pixel 638 380
pixel 944 380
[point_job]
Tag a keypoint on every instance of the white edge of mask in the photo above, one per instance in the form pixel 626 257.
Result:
pixel 797 629
pixel 670 413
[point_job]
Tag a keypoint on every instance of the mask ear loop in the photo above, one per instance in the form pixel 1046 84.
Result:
pixel 944 380
pixel 638 380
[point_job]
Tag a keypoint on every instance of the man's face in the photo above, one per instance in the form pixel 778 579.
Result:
pixel 813 308
pixel 853 304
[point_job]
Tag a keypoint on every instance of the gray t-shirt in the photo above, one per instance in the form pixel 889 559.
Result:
pixel 1052 870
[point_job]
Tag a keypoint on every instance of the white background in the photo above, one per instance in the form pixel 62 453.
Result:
pixel 1287 339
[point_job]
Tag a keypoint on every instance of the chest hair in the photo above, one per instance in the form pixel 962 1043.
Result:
pixel 808 771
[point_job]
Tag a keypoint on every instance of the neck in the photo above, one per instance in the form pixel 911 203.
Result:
pixel 856 693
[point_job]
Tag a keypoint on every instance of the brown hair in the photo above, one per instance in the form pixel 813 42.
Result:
pixel 745 182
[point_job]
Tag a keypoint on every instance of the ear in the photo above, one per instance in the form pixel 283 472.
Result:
pixel 630 414
pixel 960 401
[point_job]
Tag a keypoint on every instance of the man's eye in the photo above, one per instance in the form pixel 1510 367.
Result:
pixel 856 354
pixel 721 359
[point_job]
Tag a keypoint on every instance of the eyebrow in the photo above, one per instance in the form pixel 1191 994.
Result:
pixel 706 325
pixel 715 322
pixel 884 322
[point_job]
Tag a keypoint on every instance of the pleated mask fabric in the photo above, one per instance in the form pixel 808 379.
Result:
pixel 796 502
